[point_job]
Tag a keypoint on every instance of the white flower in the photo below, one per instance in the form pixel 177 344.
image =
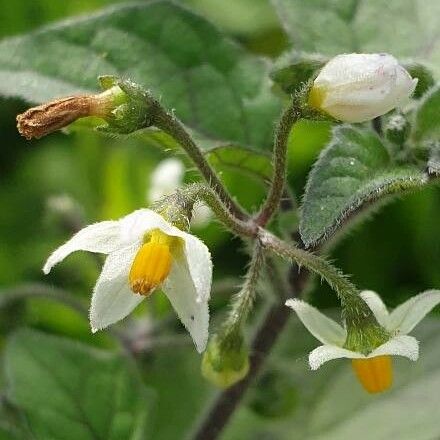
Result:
pixel 358 87
pixel 165 179
pixel 145 252
pixel 398 323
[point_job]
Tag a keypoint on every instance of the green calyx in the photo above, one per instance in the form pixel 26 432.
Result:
pixel 364 335
pixel 176 208
pixel 226 360
pixel 397 129
pixel 128 106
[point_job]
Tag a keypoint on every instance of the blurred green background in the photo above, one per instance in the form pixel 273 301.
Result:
pixel 396 252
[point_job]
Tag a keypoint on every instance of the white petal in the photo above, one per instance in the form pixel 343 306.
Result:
pixel 101 237
pixel 112 297
pixel 199 263
pixel 184 297
pixel 405 317
pixel 358 87
pixel 406 346
pixel 325 353
pixel 135 225
pixel 357 69
pixel 320 326
pixel 377 306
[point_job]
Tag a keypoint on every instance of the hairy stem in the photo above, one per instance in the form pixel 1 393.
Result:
pixel 167 122
pixel 288 118
pixel 244 299
pixel 199 191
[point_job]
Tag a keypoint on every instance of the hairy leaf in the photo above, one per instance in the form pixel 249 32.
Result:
pixel 404 28
pixel 427 122
pixel 353 170
pixel 70 391
pixel 214 85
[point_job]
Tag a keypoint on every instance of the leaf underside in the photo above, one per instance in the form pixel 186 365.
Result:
pixel 214 86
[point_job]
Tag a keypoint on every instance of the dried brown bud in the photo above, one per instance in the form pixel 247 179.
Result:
pixel 47 118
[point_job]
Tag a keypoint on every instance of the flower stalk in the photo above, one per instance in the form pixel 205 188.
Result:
pixel 290 115
pixel 243 301
pixel 363 331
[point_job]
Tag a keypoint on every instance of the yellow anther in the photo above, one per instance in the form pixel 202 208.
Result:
pixel 375 374
pixel 316 97
pixel 152 263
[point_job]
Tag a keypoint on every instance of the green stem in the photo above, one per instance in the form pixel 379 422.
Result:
pixel 354 306
pixel 199 191
pixel 243 301
pixel 290 115
pixel 167 122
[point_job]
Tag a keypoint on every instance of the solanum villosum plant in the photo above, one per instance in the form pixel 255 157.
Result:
pixel 369 159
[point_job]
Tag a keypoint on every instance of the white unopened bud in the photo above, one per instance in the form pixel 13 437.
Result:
pixel 166 178
pixel 359 87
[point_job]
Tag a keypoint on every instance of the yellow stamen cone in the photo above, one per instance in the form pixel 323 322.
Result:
pixel 375 374
pixel 316 97
pixel 151 265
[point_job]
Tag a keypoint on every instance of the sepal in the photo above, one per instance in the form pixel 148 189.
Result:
pixel 226 360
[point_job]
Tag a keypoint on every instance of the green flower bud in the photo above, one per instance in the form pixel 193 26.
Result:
pixel 226 360
pixel 397 129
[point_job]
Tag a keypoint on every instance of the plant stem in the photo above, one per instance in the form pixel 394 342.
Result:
pixel 242 302
pixel 199 191
pixel 167 122
pixel 290 115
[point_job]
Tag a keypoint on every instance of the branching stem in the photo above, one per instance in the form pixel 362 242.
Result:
pixel 167 122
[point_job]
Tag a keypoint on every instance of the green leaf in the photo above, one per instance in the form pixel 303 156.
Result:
pixel 254 164
pixel 427 120
pixel 353 170
pixel 214 86
pixel 404 28
pixel 70 391
pixel 293 69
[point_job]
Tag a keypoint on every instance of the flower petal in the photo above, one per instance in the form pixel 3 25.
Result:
pixel 405 317
pixel 103 237
pixel 320 326
pixel 406 346
pixel 199 263
pixel 135 225
pixel 325 353
pixel 183 295
pixel 377 306
pixel 112 297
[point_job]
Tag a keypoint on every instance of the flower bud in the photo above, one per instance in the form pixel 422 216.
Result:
pixel 226 360
pixel 166 178
pixel 397 129
pixel 359 87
